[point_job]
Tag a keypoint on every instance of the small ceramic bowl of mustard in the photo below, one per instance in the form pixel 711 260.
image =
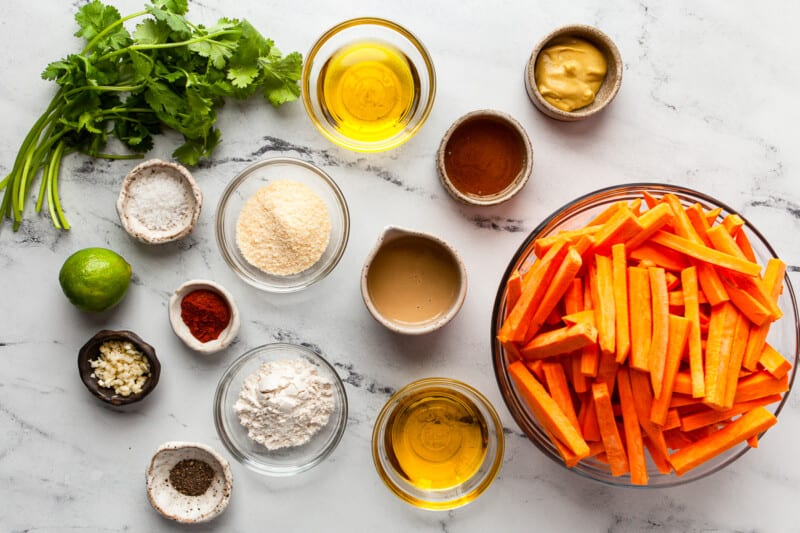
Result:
pixel 204 316
pixel 564 76
pixel 485 158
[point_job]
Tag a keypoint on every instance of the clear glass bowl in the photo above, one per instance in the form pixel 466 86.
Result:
pixel 784 334
pixel 467 490
pixel 284 461
pixel 250 180
pixel 372 29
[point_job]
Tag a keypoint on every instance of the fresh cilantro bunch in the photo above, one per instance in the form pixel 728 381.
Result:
pixel 168 72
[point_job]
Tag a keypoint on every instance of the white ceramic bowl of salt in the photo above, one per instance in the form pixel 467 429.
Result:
pixel 159 202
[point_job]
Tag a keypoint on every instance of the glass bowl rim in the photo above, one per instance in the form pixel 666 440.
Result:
pixel 224 384
pixel 513 403
pixel 241 177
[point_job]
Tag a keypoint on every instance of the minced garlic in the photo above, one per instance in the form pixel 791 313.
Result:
pixel 121 367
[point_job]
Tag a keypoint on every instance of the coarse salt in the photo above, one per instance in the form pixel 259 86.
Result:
pixel 160 201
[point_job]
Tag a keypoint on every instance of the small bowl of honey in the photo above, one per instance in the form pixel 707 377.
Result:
pixel 368 84
pixel 485 158
pixel 438 444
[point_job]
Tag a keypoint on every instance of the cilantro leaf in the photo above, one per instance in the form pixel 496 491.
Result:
pixel 95 17
pixel 179 7
pixel 242 76
pixel 151 32
pixel 281 77
pixel 176 22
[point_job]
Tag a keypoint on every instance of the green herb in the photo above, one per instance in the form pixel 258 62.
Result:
pixel 168 72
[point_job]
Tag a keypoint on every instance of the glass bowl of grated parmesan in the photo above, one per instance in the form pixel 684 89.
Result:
pixel 282 224
pixel 280 409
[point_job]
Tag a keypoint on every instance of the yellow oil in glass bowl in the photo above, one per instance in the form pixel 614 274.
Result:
pixel 368 90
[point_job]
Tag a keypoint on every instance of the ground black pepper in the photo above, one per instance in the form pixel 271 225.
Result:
pixel 191 477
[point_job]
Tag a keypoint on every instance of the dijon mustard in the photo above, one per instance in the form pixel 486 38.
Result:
pixel 569 73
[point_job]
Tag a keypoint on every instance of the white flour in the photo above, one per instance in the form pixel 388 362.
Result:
pixel 284 403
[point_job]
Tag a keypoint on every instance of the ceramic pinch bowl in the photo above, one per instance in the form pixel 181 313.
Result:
pixel 180 328
pixel 413 282
pixel 173 504
pixel 608 90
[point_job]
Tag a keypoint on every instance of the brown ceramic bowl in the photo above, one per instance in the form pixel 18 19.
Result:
pixel 91 350
pixel 516 184
pixel 609 88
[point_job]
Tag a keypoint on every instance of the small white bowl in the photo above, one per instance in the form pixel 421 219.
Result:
pixel 135 227
pixel 177 506
pixel 182 330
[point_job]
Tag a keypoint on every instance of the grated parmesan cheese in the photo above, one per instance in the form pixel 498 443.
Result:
pixel 121 367
pixel 284 228
pixel 160 201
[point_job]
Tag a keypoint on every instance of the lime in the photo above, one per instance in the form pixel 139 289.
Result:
pixel 95 279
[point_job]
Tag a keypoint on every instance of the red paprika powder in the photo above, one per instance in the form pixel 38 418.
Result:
pixel 205 313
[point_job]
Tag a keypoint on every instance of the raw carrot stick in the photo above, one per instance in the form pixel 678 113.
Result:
pixel 561 281
pixel 542 245
pixel 659 339
pixel 573 298
pixel 641 317
pixel 633 432
pixel 705 254
pixel 605 309
pixel 711 416
pixel 619 228
pixel 760 384
pixel 752 441
pixel 536 283
pixel 606 214
pixel 672 280
pixel 773 282
pixel 620 283
pixel 554 318
pixel 660 256
pixel 587 416
pixel 751 423
pixel 740 332
pixel 672 420
pixel 536 369
pixel 617 459
pixel 773 362
pixel 681 221
pixel 643 393
pixel 677 327
pixel 683 381
pixel 744 244
pixel 514 289
pixel 677 439
pixel 559 341
pixel 691 310
pixel 587 315
pixel 754 310
pixel 650 200
pixel 590 355
pixel 732 223
pixel 579 382
pixel 713 214
pixel 546 410
pixel 556 380
pixel 718 352
pixel 710 283
pixel 659 457
pixel 651 221
pixel 680 400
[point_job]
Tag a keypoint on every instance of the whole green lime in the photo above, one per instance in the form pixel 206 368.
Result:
pixel 95 279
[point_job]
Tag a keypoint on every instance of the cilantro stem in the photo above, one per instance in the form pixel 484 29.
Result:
pixel 97 38
pixel 177 44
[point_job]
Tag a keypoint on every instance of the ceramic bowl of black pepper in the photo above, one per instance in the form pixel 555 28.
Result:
pixel 485 158
pixel 280 409
pixel 118 367
pixel 203 315
pixel 573 73
pixel 282 224
pixel 188 482
pixel 159 202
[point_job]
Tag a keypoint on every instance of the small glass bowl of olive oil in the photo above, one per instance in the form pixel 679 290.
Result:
pixel 368 84
pixel 438 443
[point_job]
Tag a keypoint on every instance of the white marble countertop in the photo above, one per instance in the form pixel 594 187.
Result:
pixel 708 100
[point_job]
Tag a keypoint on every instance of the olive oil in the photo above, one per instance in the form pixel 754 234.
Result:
pixel 369 90
pixel 436 439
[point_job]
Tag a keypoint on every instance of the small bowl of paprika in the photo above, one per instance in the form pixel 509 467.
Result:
pixel 204 316
pixel 485 158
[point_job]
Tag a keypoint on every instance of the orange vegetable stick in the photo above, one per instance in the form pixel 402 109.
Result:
pixel 660 256
pixel 677 328
pixel 659 458
pixel 755 312
pixel 683 381
pixel 556 380
pixel 536 368
pixel 753 441
pixel 535 284
pixel 732 223
pixel 542 245
pixel 760 384
pixel 710 283
pixel 608 212
pixel 747 249
pixel 705 254
pixel 660 336
pixel 579 382
pixel 672 280
pixel 672 421
pixel 740 332
pixel 680 400
pixel 620 282
pixel 751 423
pixel 617 459
pixel 581 316
pixel 713 214
pixel 651 221
pixel 559 341
pixel 573 298
pixel 691 310
pixel 514 290
pixel 590 355
pixel 650 200
pixel 641 317
pixel 773 282
pixel 643 393
pixel 605 308
pixel 773 362
pixel 718 352
pixel 711 416
pixel 619 228
pixel 561 281
pixel 589 427
pixel 633 432
pixel 546 410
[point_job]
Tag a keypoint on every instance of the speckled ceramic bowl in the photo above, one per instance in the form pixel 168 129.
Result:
pixel 609 88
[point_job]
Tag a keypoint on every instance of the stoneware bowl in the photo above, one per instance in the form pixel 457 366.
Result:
pixel 177 506
pixel 135 227
pixel 609 88
pixel 182 330
pixel 516 185
pixel 390 234
pixel 91 351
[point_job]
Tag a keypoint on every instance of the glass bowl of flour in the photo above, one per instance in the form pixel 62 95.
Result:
pixel 282 224
pixel 280 409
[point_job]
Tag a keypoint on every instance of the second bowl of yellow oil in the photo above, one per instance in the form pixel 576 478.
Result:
pixel 368 84
pixel 438 443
